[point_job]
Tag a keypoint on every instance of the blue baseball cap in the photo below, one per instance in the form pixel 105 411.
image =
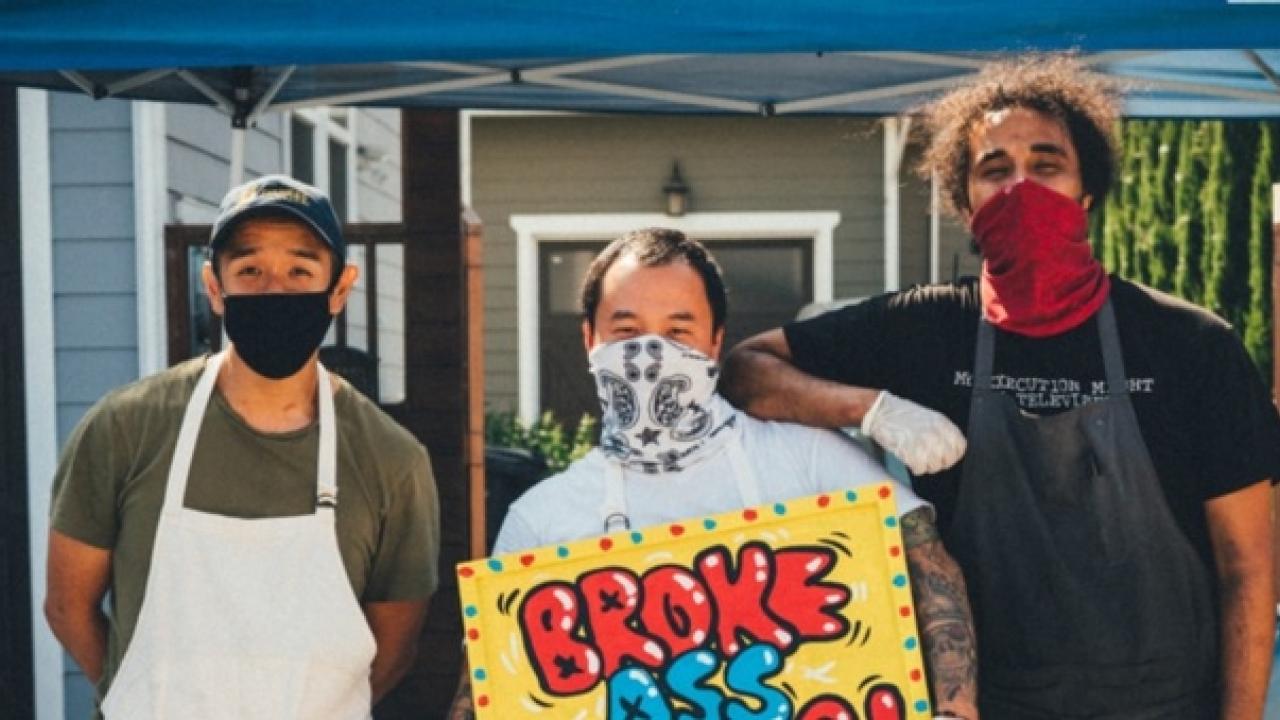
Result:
pixel 279 196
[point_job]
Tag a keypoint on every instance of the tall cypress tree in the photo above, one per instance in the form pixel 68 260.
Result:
pixel 1143 196
pixel 1257 322
pixel 1215 197
pixel 1188 226
pixel 1122 203
pixel 1164 254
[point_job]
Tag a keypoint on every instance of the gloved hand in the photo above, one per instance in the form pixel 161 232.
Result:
pixel 925 440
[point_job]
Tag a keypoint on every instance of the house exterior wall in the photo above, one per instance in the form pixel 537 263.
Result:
pixel 95 317
pixel 607 164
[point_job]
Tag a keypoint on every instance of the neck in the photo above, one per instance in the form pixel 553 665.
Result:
pixel 265 404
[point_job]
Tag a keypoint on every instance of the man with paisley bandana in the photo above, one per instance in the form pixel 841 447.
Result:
pixel 654 308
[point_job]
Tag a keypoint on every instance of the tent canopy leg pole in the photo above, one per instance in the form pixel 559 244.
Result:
pixel 237 156
pixel 896 130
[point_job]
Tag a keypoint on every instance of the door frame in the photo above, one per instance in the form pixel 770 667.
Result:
pixel 819 227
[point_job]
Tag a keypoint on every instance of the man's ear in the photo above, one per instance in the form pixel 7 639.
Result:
pixel 717 343
pixel 1086 201
pixel 588 336
pixel 212 288
pixel 342 289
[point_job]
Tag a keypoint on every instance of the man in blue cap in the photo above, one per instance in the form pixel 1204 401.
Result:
pixel 269 536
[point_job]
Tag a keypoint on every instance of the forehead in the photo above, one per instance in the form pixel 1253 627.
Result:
pixel 1017 128
pixel 631 282
pixel 271 233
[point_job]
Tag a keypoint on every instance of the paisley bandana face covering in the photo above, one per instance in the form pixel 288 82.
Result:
pixel 660 410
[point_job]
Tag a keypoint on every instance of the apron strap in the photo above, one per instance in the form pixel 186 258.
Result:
pixel 179 468
pixel 1112 352
pixel 327 463
pixel 984 354
pixel 613 510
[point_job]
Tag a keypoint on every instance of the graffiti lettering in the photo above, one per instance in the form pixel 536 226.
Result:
pixel 610 620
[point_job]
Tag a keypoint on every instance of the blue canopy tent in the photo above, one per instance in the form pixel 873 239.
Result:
pixel 1181 57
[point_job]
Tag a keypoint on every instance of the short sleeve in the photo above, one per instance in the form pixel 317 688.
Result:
pixel 406 566
pixel 838 462
pixel 1238 426
pixel 844 345
pixel 92 469
pixel 515 534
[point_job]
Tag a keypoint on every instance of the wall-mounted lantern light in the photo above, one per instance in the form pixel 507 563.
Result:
pixel 677 192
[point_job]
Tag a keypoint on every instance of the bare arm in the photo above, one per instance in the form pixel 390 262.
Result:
pixel 1240 529
pixel 396 626
pixel 461 708
pixel 760 378
pixel 946 622
pixel 78 576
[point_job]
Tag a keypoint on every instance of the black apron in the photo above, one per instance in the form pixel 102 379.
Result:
pixel 1088 599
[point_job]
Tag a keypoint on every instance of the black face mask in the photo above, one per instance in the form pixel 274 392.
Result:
pixel 275 333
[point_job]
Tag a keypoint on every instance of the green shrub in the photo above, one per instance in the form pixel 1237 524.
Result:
pixel 546 438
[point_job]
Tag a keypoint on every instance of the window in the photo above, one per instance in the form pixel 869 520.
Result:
pixel 371 329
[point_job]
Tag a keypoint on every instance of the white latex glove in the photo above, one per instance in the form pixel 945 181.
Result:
pixel 925 441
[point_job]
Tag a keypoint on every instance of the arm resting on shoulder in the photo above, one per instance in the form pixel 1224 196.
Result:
pixel 461 707
pixel 944 617
pixel 396 626
pixel 78 576
pixel 1240 529
pixel 759 377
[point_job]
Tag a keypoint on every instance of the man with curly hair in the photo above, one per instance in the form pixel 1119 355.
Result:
pixel 1111 513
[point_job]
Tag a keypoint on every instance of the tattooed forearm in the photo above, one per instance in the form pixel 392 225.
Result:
pixel 946 623
pixel 918 528
pixel 461 707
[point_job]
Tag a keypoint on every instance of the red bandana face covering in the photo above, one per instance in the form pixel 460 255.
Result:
pixel 1039 276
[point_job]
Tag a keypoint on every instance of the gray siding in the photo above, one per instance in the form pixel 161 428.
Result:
pixel 618 164
pixel 198 152
pixel 91 149
pixel 378 165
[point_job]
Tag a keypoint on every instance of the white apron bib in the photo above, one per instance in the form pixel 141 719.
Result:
pixel 246 619
pixel 613 511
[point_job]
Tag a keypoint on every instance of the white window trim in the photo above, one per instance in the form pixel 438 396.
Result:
pixel 534 229
pixel 326 129
pixel 41 380
pixel 150 197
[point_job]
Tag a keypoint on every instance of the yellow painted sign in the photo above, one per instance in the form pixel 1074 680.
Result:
pixel 794 611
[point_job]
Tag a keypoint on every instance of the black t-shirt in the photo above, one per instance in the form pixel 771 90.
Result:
pixel 1204 412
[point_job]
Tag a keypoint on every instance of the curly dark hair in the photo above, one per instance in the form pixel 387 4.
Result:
pixel 654 247
pixel 1060 86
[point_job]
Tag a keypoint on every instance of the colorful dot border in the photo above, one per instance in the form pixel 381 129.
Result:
pixel 880 494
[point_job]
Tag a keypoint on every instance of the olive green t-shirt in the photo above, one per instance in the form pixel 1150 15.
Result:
pixel 111 478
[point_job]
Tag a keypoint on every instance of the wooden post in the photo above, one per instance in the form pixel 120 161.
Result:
pixel 473 259
pixel 437 404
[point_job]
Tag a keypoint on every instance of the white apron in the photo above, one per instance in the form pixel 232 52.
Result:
pixel 613 511
pixel 246 618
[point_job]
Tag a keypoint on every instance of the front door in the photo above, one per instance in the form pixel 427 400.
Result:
pixel 768 281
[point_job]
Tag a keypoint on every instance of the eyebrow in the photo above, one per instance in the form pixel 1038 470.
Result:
pixel 631 315
pixel 239 251
pixel 1046 148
